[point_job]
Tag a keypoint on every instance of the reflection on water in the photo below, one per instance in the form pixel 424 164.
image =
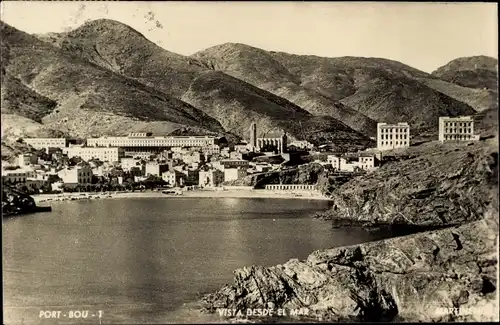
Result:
pixel 139 259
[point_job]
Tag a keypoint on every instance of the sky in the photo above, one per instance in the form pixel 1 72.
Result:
pixel 422 35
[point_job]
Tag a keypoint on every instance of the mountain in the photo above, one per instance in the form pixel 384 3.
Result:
pixel 90 99
pixel 357 91
pixel 474 72
pixel 236 104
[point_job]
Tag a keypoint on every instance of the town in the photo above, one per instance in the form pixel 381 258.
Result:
pixel 141 161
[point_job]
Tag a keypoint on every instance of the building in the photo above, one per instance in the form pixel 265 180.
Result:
pixel 367 163
pixel 156 169
pixel 44 143
pixel 392 136
pixel 334 161
pixel 174 178
pixel 19 175
pixel 242 147
pixel 236 155
pixel 147 141
pixel 344 164
pixel 35 184
pixel 456 128
pixel 89 153
pixel 234 163
pixel 27 159
pixel 211 149
pixel 272 143
pixel 253 137
pixel 210 178
pixel 301 145
pixel 192 157
pixel 128 163
pixel 81 174
pixel 232 174
pixel 349 164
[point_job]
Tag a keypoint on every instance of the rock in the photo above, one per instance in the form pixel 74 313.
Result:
pixel 386 280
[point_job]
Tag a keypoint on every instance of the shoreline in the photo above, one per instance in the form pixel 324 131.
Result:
pixel 264 194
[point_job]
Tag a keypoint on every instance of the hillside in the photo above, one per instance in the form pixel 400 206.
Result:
pixel 235 103
pixel 259 68
pixel 89 98
pixel 357 91
pixel 440 185
pixel 474 72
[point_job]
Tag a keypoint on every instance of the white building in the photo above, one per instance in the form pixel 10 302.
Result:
pixel 156 169
pixel 169 177
pixel 459 128
pixel 44 143
pixel 349 164
pixel 302 144
pixel 334 161
pixel 147 140
pixel 210 178
pixel 236 155
pixel 27 159
pixel 76 175
pixel 211 149
pixel 128 163
pixel 367 163
pixel 19 175
pixel 232 174
pixel 241 147
pixel 391 136
pixel 89 153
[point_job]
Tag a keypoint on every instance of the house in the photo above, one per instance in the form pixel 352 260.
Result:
pixel 211 149
pixel 367 163
pixel 210 178
pixel 27 159
pixel 174 178
pixel 459 128
pixel 300 145
pixel 231 174
pixel 130 162
pixel 72 176
pixel 17 175
pixel 153 168
pixel 89 153
pixel 392 136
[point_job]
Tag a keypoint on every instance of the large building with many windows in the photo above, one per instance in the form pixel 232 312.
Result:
pixel 459 128
pixel 44 143
pixel 134 140
pixel 392 136
pixel 89 153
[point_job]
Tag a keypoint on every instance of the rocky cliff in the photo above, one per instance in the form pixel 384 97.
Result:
pixel 420 277
pixel 446 184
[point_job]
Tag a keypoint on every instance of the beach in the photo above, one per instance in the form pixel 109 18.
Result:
pixel 43 198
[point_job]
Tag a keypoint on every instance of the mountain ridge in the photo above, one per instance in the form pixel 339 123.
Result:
pixel 135 57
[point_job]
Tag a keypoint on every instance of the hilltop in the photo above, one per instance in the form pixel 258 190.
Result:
pixel 357 91
pixel 234 103
pixel 474 72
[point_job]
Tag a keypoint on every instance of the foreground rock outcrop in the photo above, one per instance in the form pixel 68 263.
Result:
pixel 421 277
